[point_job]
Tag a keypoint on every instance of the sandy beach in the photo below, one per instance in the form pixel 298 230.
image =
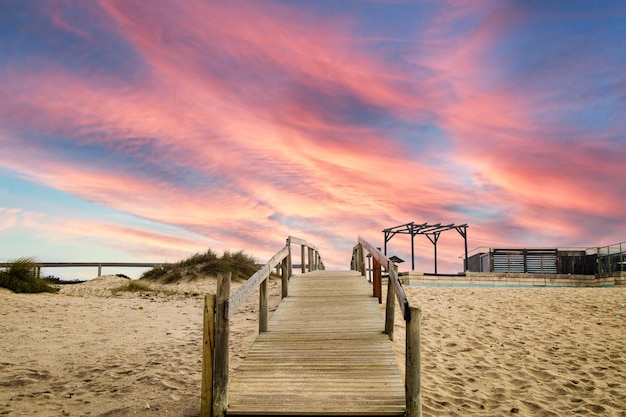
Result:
pixel 485 351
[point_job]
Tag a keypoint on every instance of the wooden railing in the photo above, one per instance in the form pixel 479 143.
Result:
pixel 100 265
pixel 219 308
pixel 412 316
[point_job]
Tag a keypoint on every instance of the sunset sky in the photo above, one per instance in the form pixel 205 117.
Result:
pixel 152 130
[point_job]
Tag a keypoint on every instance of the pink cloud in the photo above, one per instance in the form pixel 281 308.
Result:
pixel 495 127
pixel 231 104
pixel 9 217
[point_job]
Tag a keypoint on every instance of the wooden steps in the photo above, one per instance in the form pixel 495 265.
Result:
pixel 325 354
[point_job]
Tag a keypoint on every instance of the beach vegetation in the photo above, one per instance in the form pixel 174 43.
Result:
pixel 20 276
pixel 51 279
pixel 132 286
pixel 208 264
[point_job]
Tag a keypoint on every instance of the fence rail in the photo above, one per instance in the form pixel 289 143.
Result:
pixel 100 265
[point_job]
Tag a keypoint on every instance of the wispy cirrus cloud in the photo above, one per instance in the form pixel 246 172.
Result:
pixel 245 122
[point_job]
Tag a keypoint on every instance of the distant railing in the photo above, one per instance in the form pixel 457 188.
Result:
pixel 412 316
pixel 610 258
pixel 100 265
pixel 219 309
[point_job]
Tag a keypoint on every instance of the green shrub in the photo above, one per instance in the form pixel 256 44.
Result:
pixel 133 286
pixel 20 277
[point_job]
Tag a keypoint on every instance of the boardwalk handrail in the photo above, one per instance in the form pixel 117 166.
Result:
pixel 239 297
pixel 394 279
pixel 220 308
pixel 412 316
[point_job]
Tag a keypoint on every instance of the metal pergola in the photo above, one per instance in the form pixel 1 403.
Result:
pixel 431 231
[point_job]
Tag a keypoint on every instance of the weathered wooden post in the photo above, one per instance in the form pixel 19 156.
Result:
pixel 100 270
pixel 289 260
pixel 208 351
pixel 222 335
pixel 263 302
pixel 377 287
pixel 391 302
pixel 302 263
pixel 310 259
pixel 413 383
pixel 361 260
pixel 285 277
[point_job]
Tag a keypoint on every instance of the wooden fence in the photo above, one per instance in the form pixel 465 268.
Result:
pixel 100 265
pixel 412 316
pixel 220 308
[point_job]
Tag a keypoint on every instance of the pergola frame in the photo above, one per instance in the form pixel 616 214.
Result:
pixel 431 231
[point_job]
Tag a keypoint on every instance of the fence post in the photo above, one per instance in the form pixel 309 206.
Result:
pixel 289 264
pixel 377 287
pixel 222 334
pixel 302 258
pixel 361 260
pixel 310 259
pixel 285 277
pixel 413 383
pixel 263 301
pixel 390 306
pixel 208 345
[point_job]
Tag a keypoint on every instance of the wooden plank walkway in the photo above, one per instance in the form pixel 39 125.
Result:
pixel 325 354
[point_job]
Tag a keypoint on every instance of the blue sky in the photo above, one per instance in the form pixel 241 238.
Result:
pixel 151 130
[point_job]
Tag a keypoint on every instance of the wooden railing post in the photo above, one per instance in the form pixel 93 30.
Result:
pixel 361 260
pixel 208 351
pixel 310 259
pixel 222 335
pixel 413 383
pixel 289 261
pixel 377 287
pixel 263 302
pixel 285 277
pixel 302 263
pixel 390 307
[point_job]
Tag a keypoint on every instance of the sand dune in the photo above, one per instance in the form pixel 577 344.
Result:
pixel 491 352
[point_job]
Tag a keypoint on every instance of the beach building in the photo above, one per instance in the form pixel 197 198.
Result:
pixel 598 261
pixel 603 266
pixel 539 266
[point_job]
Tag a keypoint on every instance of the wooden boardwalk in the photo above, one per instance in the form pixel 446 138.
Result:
pixel 325 353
